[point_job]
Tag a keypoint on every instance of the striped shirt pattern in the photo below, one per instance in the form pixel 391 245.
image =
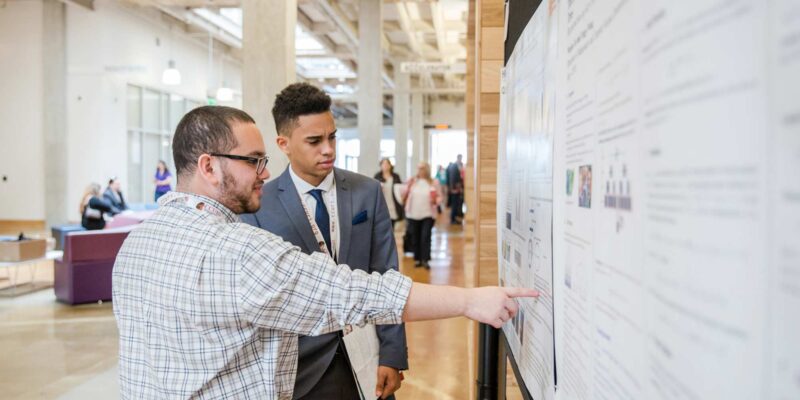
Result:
pixel 209 307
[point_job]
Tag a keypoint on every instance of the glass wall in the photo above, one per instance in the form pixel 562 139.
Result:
pixel 152 118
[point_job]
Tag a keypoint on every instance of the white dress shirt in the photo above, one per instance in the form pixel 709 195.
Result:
pixel 328 187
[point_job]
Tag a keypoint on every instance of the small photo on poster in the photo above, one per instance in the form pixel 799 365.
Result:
pixel 585 189
pixel 506 251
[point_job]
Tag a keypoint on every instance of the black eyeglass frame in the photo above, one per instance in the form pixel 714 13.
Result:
pixel 259 162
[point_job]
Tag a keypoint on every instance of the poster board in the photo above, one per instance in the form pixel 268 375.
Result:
pixel 647 156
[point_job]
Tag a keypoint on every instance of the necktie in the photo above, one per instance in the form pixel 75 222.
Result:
pixel 322 218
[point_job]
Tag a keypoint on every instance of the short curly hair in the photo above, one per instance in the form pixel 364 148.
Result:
pixel 296 100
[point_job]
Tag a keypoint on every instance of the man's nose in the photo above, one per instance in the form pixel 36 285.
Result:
pixel 328 147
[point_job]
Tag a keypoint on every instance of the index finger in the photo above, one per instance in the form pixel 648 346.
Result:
pixel 521 292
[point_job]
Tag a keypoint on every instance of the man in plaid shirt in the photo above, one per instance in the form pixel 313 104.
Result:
pixel 209 307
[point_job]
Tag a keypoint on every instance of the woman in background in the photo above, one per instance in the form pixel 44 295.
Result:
pixel 162 180
pixel 422 196
pixel 93 208
pixel 388 178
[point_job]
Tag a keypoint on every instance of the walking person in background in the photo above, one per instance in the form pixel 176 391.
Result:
pixel 441 177
pixel 92 208
pixel 113 195
pixel 388 178
pixel 422 196
pixel 163 180
pixel 455 190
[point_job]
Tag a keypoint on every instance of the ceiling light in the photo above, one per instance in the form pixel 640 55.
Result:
pixel 171 75
pixel 224 94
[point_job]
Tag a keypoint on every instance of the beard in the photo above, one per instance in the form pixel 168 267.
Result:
pixel 237 197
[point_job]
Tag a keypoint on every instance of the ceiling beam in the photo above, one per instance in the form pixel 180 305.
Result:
pixel 408 29
pixel 437 16
pixel 438 25
pixel 351 34
pixel 190 18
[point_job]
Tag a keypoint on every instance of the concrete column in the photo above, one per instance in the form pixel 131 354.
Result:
pixel 417 131
pixel 426 147
pixel 401 121
pixel 370 87
pixel 268 65
pixel 54 124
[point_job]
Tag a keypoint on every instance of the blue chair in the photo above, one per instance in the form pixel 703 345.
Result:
pixel 60 231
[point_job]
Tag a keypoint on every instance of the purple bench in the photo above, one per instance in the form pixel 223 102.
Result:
pixel 83 273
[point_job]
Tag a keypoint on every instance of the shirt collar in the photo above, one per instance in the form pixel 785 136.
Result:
pixel 192 199
pixel 304 187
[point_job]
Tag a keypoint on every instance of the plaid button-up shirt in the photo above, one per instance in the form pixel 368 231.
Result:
pixel 208 307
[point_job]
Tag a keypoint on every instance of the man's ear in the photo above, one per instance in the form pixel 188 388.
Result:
pixel 206 167
pixel 283 143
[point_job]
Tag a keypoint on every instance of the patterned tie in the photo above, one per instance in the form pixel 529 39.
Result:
pixel 322 218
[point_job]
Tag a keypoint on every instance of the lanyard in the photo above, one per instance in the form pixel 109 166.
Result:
pixel 331 200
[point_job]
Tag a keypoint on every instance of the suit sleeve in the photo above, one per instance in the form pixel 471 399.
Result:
pixel 383 257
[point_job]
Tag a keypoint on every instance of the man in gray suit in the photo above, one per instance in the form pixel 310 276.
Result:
pixel 321 208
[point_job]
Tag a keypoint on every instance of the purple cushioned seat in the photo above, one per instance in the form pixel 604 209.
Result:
pixel 83 274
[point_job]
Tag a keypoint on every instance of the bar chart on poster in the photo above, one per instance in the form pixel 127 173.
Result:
pixel 647 187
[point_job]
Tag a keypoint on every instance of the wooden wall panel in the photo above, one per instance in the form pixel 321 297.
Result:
pixel 489 50
pixel 488 201
pixel 492 35
pixel 488 143
pixel 490 76
pixel 488 172
pixel 490 109
pixel 485 60
pixel 488 272
pixel 470 195
pixel 493 14
pixel 489 248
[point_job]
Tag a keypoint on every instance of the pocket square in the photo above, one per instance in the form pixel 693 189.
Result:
pixel 360 217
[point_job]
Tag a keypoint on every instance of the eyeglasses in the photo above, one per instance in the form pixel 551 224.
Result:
pixel 259 162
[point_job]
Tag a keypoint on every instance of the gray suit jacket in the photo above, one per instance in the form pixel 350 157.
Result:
pixel 366 244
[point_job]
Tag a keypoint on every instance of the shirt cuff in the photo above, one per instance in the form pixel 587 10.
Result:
pixel 395 288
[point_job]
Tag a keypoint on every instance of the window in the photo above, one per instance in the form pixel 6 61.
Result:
pixel 446 145
pixel 152 118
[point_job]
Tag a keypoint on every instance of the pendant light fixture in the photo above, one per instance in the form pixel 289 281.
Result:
pixel 224 93
pixel 171 76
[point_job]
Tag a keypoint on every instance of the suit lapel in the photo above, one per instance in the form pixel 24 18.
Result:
pixel 344 201
pixel 290 200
